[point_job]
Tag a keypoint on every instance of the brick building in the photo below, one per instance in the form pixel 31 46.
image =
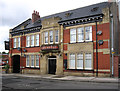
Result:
pixel 65 43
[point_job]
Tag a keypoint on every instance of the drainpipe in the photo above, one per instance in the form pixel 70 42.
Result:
pixel 96 52
pixel 112 44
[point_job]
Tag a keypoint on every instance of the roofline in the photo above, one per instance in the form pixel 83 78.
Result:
pixel 80 18
pixel 74 9
pixel 21 23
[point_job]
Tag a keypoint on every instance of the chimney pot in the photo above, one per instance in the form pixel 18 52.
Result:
pixel 35 16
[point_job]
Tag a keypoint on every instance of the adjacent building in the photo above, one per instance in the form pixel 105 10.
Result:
pixel 65 43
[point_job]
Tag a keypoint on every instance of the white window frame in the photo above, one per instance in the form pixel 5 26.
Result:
pixel 27 57
pixel 80 33
pixel 50 35
pixel 37 60
pixel 57 35
pixel 37 40
pixel 90 33
pixel 42 38
pixel 86 59
pixel 71 59
pixel 32 58
pixel 18 41
pixel 45 33
pixel 15 42
pixel 71 34
pixel 27 41
pixel 80 59
pixel 32 40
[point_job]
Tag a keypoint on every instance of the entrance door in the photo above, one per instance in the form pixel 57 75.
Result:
pixel 16 64
pixel 52 65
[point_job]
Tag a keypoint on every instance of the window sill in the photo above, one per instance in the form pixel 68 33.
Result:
pixel 81 42
pixel 80 69
pixel 32 46
pixel 33 67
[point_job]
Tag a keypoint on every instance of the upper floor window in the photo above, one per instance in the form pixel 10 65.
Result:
pixel 81 34
pixel 32 40
pixel 15 42
pixel 46 37
pixel 27 41
pixel 37 40
pixel 18 42
pixel 73 35
pixel 56 36
pixel 88 33
pixel 51 36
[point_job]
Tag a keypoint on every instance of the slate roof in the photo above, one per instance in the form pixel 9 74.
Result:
pixel 80 12
pixel 86 11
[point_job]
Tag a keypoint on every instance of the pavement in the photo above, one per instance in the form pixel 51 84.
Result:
pixel 69 78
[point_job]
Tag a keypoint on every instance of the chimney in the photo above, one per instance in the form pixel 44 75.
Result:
pixel 111 0
pixel 35 16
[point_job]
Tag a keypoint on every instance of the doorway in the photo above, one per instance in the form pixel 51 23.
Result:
pixel 52 65
pixel 16 64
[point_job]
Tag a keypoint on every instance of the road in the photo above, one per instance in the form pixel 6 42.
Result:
pixel 15 82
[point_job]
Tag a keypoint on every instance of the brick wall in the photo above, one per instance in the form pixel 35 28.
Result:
pixel 116 62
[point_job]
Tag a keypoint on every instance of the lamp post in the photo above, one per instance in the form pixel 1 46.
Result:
pixel 96 51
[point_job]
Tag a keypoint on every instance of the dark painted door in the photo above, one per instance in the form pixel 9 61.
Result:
pixel 52 66
pixel 16 64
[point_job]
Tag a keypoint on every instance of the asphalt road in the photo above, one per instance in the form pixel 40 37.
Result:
pixel 14 82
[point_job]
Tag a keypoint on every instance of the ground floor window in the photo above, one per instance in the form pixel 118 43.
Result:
pixel 37 60
pixel 27 61
pixel 80 61
pixel 32 61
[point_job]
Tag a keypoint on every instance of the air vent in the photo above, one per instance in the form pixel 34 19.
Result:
pixel 94 9
pixel 68 14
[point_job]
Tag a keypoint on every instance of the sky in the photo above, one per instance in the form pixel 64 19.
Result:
pixel 14 12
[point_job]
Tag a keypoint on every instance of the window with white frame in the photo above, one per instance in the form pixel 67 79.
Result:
pixel 42 38
pixel 32 60
pixel 15 42
pixel 27 61
pixel 88 33
pixel 51 36
pixel 56 36
pixel 88 61
pixel 19 42
pixel 73 35
pixel 80 32
pixel 27 41
pixel 80 61
pixel 32 40
pixel 37 60
pixel 46 37
pixel 37 40
pixel 72 61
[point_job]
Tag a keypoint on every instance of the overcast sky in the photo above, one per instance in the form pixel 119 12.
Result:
pixel 14 12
